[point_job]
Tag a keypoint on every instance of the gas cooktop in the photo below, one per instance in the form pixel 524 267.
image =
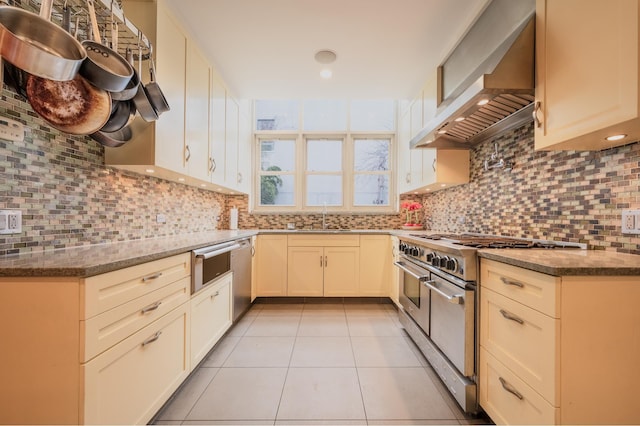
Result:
pixel 491 241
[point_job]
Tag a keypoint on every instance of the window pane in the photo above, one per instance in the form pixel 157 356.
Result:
pixel 373 115
pixel 277 114
pixel 277 155
pixel 324 189
pixel 371 190
pixel 371 154
pixel 324 155
pixel 325 114
pixel 276 190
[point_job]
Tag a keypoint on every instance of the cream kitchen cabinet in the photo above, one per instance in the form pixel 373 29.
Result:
pixel 557 350
pixel 217 119
pixel 198 80
pixel 131 381
pixel 375 265
pixel 321 265
pixel 587 68
pixel 244 151
pixel 271 265
pixel 394 291
pixel 106 349
pixel 427 169
pixel 161 144
pixel 210 317
pixel 196 141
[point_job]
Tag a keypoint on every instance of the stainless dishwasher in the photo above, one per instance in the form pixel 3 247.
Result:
pixel 241 268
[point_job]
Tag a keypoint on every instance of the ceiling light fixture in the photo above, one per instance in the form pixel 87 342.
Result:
pixel 326 73
pixel 459 119
pixel 150 171
pixel 616 137
pixel 325 56
pixel 483 102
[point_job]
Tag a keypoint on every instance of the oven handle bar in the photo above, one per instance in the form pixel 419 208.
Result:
pixel 209 252
pixel 457 299
pixel 414 272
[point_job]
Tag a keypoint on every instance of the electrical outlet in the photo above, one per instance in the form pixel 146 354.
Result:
pixel 10 222
pixel 630 222
pixel 160 218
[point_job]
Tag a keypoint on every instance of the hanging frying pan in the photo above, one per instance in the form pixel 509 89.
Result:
pixel 156 97
pixel 34 44
pixel 75 106
pixel 104 67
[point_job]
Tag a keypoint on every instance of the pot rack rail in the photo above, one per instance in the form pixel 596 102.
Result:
pixel 106 11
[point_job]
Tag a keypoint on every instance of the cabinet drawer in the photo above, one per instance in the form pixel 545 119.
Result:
pixel 210 317
pixel 538 291
pixel 129 383
pixel 108 328
pixel 498 390
pixel 523 339
pixel 311 240
pixel 106 291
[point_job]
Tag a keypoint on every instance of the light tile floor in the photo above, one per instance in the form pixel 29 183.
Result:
pixel 292 364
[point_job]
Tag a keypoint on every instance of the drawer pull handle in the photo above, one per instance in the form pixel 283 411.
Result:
pixel 152 339
pixel 513 283
pixel 151 308
pixel 506 386
pixel 151 277
pixel 217 293
pixel 511 317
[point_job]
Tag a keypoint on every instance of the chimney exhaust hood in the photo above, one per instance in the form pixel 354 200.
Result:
pixel 487 82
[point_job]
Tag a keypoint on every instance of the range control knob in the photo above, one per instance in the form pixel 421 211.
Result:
pixel 452 264
pixel 443 261
pixel 401 247
pixel 415 251
pixel 435 260
pixel 430 257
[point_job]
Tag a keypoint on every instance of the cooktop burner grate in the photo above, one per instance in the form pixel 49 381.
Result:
pixel 487 241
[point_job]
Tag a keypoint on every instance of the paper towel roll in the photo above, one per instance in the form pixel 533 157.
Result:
pixel 233 218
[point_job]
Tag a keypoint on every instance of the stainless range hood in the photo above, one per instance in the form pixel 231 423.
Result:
pixel 487 83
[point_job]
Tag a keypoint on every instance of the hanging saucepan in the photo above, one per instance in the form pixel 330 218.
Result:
pixel 156 97
pixel 121 114
pixel 132 87
pixel 38 46
pixel 104 67
pixel 113 139
pixel 141 99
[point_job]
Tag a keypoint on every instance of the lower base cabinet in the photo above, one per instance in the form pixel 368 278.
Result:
pixel 151 364
pixel 210 317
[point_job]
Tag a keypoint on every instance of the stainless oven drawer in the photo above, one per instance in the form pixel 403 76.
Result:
pixel 452 322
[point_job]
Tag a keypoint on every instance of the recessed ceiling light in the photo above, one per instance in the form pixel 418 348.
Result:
pixel 459 119
pixel 150 171
pixel 443 185
pixel 203 185
pixel 325 56
pixel 483 102
pixel 326 73
pixel 180 179
pixel 616 137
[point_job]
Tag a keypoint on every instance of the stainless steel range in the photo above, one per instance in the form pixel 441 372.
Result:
pixel 439 303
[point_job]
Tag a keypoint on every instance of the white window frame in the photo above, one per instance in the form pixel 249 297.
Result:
pixel 348 172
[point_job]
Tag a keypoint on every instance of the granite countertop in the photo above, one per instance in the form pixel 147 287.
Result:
pixel 92 260
pixel 563 262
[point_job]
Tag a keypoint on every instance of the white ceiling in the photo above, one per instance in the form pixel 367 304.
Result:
pixel 264 49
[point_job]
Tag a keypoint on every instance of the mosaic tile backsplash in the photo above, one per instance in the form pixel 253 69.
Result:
pixel 562 195
pixel 69 198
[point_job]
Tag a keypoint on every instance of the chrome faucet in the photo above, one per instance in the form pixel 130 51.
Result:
pixel 324 215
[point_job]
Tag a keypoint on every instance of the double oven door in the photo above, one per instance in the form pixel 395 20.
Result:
pixel 444 308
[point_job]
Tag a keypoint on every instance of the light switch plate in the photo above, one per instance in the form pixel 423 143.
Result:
pixel 631 222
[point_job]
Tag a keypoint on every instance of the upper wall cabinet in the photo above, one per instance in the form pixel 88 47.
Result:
pixel 427 169
pixel 196 141
pixel 587 85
